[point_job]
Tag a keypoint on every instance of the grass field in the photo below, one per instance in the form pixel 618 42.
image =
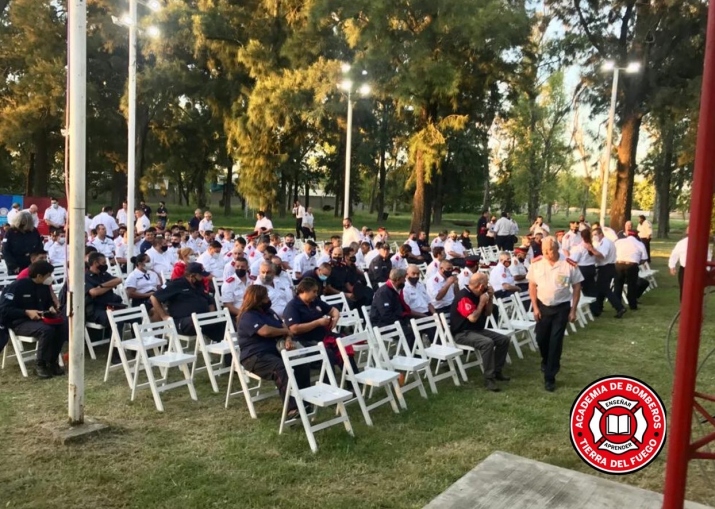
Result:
pixel 198 454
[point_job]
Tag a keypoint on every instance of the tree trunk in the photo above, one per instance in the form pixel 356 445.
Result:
pixel 420 202
pixel 228 188
pixel 142 134
pixel 30 175
pixel 549 209
pixel 119 189
pixel 663 177
pixel 282 193
pixel 625 171
pixel 39 175
pixel 307 195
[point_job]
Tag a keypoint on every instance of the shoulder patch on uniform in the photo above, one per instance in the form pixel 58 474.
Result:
pixel 230 279
pixel 9 296
pixel 504 274
pixel 571 262
pixel 285 249
pixel 436 279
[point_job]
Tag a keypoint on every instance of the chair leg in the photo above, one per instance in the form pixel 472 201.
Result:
pixel 398 393
pixel 515 342
pixel 230 382
pixel 88 340
pixel 453 370
pixel 346 422
pixel 391 398
pixel 284 414
pixel 462 371
pixel 187 375
pixel 361 402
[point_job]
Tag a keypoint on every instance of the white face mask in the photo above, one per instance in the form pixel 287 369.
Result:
pixel 55 205
pixel 215 256
pixel 192 258
pixel 149 265
pixel 61 241
pixel 49 281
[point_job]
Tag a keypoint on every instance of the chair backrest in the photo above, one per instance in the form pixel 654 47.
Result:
pixel 309 355
pixel 212 317
pixel 430 325
pixel 124 317
pixel 504 308
pixel 217 292
pixel 353 339
pixel 394 334
pixel 447 337
pixel 165 276
pixel 423 270
pixel 116 271
pixel 338 301
pixel 366 316
pixel 165 329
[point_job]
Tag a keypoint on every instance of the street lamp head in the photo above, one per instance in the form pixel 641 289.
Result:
pixel 153 32
pixel 154 5
pixel 365 90
pixel 346 85
pixel 633 67
pixel 608 66
pixel 364 72
pixel 345 68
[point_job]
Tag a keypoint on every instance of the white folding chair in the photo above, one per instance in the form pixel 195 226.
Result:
pixel 19 353
pixel 372 377
pixel 173 357
pixel 251 385
pixel 513 325
pixel 403 360
pixel 88 340
pixel 320 395
pixel 120 323
pixel 448 338
pixel 438 350
pixel 207 348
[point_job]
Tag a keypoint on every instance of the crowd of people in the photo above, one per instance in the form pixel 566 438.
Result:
pixel 272 287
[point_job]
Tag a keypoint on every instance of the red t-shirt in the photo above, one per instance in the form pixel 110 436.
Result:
pixel 24 273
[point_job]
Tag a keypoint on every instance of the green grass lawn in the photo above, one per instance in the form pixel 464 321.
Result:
pixel 198 454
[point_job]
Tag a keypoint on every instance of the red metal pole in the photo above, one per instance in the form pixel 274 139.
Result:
pixel 679 452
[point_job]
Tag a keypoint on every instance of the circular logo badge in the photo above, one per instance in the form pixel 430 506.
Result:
pixel 3 211
pixel 618 425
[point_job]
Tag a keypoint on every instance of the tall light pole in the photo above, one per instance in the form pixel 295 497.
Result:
pixel 364 90
pixel 610 66
pixel 130 21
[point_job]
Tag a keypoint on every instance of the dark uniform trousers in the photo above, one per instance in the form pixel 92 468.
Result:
pixel 626 273
pixel 505 242
pixel 604 278
pixel 492 346
pixel 646 244
pixel 550 330
pixel 588 285
pixel 269 366
pixel 681 278
pixel 50 338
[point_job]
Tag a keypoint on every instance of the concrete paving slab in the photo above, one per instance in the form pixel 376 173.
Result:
pixel 506 481
pixel 64 433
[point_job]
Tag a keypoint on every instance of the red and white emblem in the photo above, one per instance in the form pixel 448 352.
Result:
pixel 618 425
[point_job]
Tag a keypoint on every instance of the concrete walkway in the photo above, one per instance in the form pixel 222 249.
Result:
pixel 505 481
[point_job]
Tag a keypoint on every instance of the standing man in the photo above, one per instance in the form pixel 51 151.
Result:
pixel 503 229
pixel 55 217
pixel 554 305
pixel 195 221
pixel 350 233
pixel 298 212
pixel 482 229
pixel 605 272
pixel 645 233
pixel 13 212
pixel 468 314
pixel 163 215
pixel 146 209
pixel 677 258
pixel 143 222
pixel 122 216
pixel 105 218
pixel 630 253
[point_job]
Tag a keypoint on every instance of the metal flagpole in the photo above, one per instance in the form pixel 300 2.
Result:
pixel 77 68
pixel 131 128
pixel 348 155
pixel 609 148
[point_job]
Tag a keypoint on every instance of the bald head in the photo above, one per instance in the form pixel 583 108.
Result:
pixel 478 283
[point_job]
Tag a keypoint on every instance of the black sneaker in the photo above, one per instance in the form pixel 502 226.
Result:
pixel 621 313
pixel 550 386
pixel 501 377
pixel 491 385
pixel 56 369
pixel 42 371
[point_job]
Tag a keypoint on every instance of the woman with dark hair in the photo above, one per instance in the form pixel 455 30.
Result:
pixel 583 254
pixel 142 282
pixel 20 240
pixel 259 330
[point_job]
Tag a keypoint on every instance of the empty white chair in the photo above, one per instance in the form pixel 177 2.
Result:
pixel 173 357
pixel 88 340
pixel 120 322
pixel 403 360
pixel 438 350
pixel 320 395
pixel 251 385
pixel 372 377
pixel 207 348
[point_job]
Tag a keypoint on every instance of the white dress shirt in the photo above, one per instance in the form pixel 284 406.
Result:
pixel 398 262
pixel 57 216
pixel 432 268
pixel 308 220
pixel 517 268
pixel 287 255
pixel 514 228
pixel 645 230
pixel 678 255
pixel 206 225
pixel 122 216
pixel 279 293
pixel 35 217
pixel 503 227
pixel 304 264
pixel 106 246
pixel 463 278
pixel 416 297
pixel 213 264
pixel 436 242
pixel 233 290
pixel 108 221
pixel 11 215
pixel 453 246
pixel 553 282
pixel 434 285
pixel 499 276
pixel 608 250
pixel 581 256
pixel 267 224
pixel 159 261
pixel 570 240
pixel 142 282
pixel 609 233
pixel 370 256
pixel 56 253
pixel 630 250
pixel 351 235
pixel 142 224
pixel 414 247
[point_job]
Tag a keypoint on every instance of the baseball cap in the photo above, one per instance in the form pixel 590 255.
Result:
pixel 471 261
pixel 196 268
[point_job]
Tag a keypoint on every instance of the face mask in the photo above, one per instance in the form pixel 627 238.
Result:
pixel 400 286
pixel 149 265
pixel 103 267
pixel 265 306
pixel 164 248
pixel 55 205
pixel 413 280
pixel 290 244
pixel 336 261
pixel 49 281
pixel 192 258
pixel 322 277
pixel 62 240
pixel 446 273
pixel 241 273
pixel 175 244
pixel 215 256
pixel 279 270
pixel 267 279
pixel 312 253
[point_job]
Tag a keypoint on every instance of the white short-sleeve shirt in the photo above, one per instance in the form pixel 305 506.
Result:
pixel 56 215
pixel 553 282
pixel 434 285
pixel 416 297
pixel 233 290
pixel 142 282
pixel 500 276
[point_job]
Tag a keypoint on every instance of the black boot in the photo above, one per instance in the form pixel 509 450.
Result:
pixel 42 371
pixel 56 369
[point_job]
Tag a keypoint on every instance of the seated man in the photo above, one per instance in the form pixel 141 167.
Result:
pixel 441 287
pixel 343 279
pixel 518 269
pixel 471 267
pixel 186 295
pixel 99 288
pixel 389 306
pixel 235 285
pixel 380 266
pixel 305 262
pixel 279 293
pixel 415 294
pixel 148 242
pixel 38 256
pixel 501 279
pixel 320 275
pixel 264 226
pixel 211 260
pixel 469 314
pixel 28 307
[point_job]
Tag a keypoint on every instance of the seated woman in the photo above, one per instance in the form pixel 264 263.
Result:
pixel 142 282
pixel 259 329
pixel 186 255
